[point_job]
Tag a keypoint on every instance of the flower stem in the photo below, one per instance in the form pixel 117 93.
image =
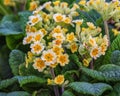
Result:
pixel 107 31
pixel 91 64
pixel 54 87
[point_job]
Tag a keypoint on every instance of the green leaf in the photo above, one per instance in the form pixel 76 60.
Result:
pixel 15 59
pixel 13 41
pixel 10 28
pixel 16 93
pixel 75 58
pixel 115 57
pixel 24 80
pixel 114 46
pixel 24 18
pixel 5 71
pixel 6 83
pixel 68 93
pixel 107 72
pixel 44 92
pixel 95 89
pixel 69 75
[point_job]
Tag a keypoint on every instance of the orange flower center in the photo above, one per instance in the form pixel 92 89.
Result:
pixel 95 52
pixel 34 20
pixel 37 47
pixel 38 37
pixel 59 18
pixel 29 39
pixel 40 63
pixel 48 57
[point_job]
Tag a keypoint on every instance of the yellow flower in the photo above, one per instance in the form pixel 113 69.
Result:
pixel 86 62
pixel 49 81
pixel 59 36
pixel 103 48
pixel 64 4
pixel 91 2
pixel 38 36
pixel 43 31
pixel 57 29
pixel 67 20
pixel 63 59
pixel 58 42
pixel 58 50
pixel 70 37
pixel 56 3
pixel 82 2
pixel 39 64
pixel 95 52
pixel 75 6
pixel 58 17
pixel 74 47
pixel 28 58
pixel 91 25
pixel 54 65
pixel 34 19
pixel 49 57
pixel 33 5
pixel 28 39
pixel 116 32
pixel 59 79
pixel 36 48
pixel 9 3
pixel 79 22
pixel 92 41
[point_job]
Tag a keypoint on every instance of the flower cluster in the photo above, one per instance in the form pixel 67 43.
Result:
pixel 92 44
pixel 53 33
pixel 47 36
pixel 106 9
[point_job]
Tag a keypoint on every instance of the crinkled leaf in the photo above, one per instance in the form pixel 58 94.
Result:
pixel 24 80
pixel 95 89
pixel 15 59
pixel 24 18
pixel 115 57
pixel 107 72
pixel 16 93
pixel 6 83
pixel 10 28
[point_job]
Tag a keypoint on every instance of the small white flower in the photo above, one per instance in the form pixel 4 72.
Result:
pixel 49 57
pixel 37 47
pixel 34 19
pixel 37 36
pixel 58 17
pixel 28 39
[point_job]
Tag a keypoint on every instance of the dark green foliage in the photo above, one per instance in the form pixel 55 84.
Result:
pixel 107 72
pixel 16 58
pixel 5 71
pixel 116 90
pixel 95 89
pixel 6 83
pixel 115 57
pixel 68 93
pixel 16 93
